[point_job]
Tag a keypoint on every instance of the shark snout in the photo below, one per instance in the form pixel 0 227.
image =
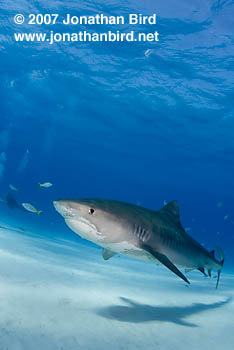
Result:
pixel 63 208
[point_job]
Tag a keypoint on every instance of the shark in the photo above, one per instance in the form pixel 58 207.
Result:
pixel 140 233
pixel 11 202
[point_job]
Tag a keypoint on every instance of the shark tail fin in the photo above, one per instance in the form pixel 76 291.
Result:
pixel 221 257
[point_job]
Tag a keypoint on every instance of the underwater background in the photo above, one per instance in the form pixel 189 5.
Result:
pixel 138 122
pixel 141 122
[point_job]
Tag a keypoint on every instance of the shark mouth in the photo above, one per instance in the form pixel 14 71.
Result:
pixel 84 229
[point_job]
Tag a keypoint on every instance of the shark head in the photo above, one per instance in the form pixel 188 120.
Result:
pixel 93 219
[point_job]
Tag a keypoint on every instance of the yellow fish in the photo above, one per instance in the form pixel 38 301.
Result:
pixel 13 188
pixel 46 184
pixel 30 207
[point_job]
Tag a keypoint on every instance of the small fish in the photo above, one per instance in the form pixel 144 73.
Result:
pixel 148 53
pixel 30 207
pixel 219 204
pixel 46 184
pixel 225 217
pixel 21 229
pixel 13 188
pixel 164 202
pixel 187 229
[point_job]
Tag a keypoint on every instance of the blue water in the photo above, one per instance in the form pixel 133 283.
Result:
pixel 106 120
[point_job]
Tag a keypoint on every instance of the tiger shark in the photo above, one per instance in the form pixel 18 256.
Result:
pixel 140 233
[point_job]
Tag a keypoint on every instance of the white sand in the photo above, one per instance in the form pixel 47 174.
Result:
pixel 61 295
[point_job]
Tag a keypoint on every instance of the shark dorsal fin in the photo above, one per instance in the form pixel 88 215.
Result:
pixel 212 253
pixel 172 208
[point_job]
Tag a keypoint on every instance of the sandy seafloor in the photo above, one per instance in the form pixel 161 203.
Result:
pixel 63 295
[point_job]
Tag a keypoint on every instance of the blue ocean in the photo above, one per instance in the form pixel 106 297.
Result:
pixel 142 122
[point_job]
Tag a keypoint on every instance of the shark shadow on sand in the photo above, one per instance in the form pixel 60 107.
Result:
pixel 135 312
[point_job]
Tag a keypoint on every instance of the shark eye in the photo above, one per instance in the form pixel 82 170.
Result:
pixel 91 211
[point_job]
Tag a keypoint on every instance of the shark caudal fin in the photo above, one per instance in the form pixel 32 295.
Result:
pixel 221 257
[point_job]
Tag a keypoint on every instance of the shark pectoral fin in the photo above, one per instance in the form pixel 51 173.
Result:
pixel 107 254
pixel 166 262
